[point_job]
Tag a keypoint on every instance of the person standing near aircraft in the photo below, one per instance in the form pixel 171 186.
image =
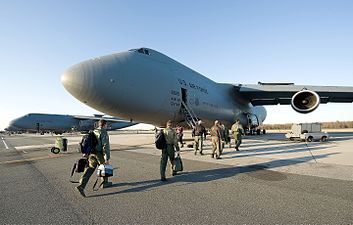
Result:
pixel 216 140
pixel 198 132
pixel 101 155
pixel 226 135
pixel 223 134
pixel 169 151
pixel 180 133
pixel 237 131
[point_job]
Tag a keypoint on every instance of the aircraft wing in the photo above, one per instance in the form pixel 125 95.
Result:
pixel 282 93
pixel 108 119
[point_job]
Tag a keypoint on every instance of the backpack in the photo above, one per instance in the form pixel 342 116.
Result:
pixel 160 141
pixel 88 143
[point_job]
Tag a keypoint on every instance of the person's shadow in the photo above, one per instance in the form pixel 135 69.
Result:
pixel 186 178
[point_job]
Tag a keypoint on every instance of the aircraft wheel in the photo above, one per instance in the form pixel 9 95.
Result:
pixel 323 138
pixel 310 139
pixel 55 150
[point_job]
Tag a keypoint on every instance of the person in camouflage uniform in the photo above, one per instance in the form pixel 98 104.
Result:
pixel 216 140
pixel 237 131
pixel 169 151
pixel 101 155
pixel 199 133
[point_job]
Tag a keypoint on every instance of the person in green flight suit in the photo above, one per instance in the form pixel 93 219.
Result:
pixel 169 151
pixel 237 131
pixel 216 140
pixel 101 155
pixel 199 134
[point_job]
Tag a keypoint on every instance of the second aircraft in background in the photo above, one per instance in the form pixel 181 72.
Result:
pixel 58 124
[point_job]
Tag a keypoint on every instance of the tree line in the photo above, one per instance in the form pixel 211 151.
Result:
pixel 325 125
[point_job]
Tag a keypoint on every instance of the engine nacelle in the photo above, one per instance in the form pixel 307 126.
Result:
pixel 305 101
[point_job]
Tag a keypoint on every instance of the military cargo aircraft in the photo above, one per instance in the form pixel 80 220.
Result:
pixel 58 124
pixel 147 86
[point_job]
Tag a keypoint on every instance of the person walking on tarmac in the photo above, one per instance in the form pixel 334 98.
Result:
pixel 237 131
pixel 180 134
pixel 216 140
pixel 223 134
pixel 226 135
pixel 101 155
pixel 169 151
pixel 199 133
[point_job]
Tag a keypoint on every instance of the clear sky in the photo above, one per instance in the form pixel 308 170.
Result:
pixel 234 41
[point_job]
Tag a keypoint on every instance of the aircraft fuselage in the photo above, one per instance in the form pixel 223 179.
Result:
pixel 149 88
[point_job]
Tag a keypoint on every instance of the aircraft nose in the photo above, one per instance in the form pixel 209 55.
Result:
pixel 11 124
pixel 79 81
pixel 16 123
pixel 91 81
pixel 73 79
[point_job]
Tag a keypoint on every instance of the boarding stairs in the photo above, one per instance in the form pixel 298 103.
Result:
pixel 189 115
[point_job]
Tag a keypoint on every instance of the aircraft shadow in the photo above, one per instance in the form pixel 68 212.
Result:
pixel 202 176
pixel 252 144
pixel 334 136
pixel 276 150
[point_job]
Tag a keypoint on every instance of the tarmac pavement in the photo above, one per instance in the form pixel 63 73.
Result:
pixel 270 181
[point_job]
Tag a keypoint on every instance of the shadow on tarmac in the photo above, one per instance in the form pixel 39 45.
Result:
pixel 185 178
pixel 295 148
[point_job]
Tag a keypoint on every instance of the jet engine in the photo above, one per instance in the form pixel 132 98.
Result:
pixel 305 101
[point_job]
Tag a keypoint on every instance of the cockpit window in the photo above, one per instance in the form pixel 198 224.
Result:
pixel 142 50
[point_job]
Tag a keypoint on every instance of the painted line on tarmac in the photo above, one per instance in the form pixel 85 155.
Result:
pixel 32 159
pixel 39 146
pixel 22 148
pixel 33 146
pixel 7 147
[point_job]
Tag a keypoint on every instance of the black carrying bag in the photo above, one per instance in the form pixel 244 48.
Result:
pixel 178 164
pixel 78 167
pixel 160 141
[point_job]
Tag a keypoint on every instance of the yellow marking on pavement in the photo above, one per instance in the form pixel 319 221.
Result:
pixel 51 156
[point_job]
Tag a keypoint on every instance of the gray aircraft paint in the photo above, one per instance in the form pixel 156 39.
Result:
pixel 61 123
pixel 145 86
